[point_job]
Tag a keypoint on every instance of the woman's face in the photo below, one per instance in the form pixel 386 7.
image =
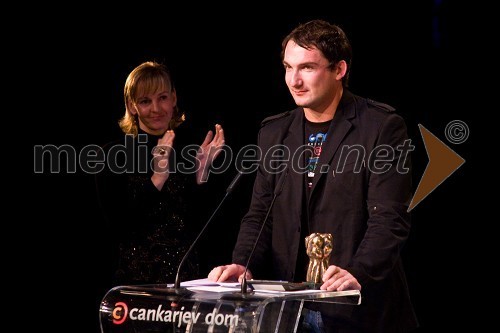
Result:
pixel 154 111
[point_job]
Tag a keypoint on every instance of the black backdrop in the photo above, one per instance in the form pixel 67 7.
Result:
pixel 227 70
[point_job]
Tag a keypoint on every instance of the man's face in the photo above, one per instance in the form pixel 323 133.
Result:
pixel 309 78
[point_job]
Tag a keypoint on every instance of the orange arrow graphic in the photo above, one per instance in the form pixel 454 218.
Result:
pixel 442 163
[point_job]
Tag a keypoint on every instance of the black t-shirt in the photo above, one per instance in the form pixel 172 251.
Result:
pixel 315 137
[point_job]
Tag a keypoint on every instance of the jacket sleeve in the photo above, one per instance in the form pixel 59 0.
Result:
pixel 251 223
pixel 388 198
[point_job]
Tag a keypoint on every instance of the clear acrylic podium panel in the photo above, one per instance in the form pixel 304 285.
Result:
pixel 156 308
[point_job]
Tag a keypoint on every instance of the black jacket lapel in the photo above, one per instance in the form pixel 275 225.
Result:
pixel 336 133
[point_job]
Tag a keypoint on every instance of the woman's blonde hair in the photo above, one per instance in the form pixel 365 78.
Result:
pixel 147 78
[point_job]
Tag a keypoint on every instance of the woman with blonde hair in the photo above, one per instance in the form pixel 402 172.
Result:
pixel 147 188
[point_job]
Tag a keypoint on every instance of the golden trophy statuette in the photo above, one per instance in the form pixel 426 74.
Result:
pixel 318 247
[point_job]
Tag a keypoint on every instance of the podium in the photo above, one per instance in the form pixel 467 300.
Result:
pixel 159 308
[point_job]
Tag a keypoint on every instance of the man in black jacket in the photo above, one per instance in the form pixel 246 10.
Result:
pixel 348 175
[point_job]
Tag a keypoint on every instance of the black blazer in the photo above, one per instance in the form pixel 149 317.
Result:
pixel 360 197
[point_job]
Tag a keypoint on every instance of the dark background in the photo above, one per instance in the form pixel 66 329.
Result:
pixel 227 70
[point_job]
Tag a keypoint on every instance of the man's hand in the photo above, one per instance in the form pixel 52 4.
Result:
pixel 338 279
pixel 231 272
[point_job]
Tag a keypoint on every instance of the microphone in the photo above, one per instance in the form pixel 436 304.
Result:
pixel 229 190
pixel 277 191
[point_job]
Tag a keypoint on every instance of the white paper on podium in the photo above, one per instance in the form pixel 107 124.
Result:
pixel 216 289
pixel 207 285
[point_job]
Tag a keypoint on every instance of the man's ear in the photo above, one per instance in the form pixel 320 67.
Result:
pixel 341 69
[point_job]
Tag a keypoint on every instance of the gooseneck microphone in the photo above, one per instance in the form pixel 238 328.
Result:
pixel 277 191
pixel 229 189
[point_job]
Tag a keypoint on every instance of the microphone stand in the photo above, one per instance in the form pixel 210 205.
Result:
pixel 244 283
pixel 177 284
pixel 277 191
